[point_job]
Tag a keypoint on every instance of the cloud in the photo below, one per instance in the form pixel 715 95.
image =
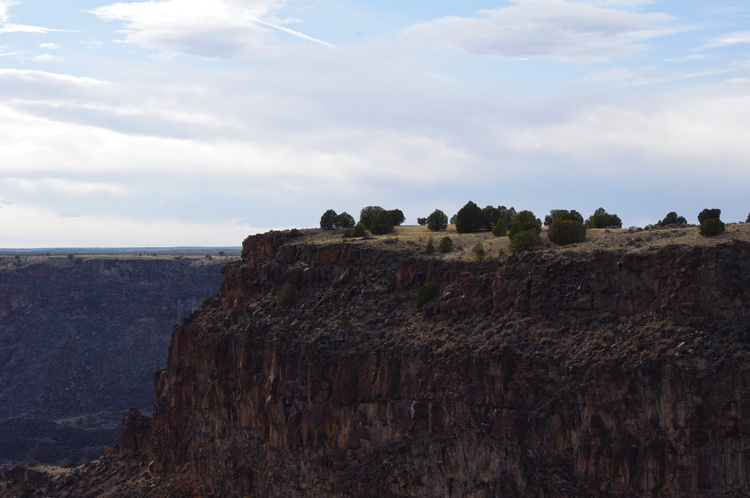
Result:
pixel 736 38
pixel 68 187
pixel 48 58
pixel 548 29
pixel 221 29
pixel 49 46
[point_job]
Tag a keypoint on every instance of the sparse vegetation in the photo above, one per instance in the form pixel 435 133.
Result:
pixel 430 246
pixel 427 293
pixel 478 251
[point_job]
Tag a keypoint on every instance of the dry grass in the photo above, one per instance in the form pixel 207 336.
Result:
pixel 414 239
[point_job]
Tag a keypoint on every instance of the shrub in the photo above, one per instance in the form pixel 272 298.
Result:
pixel 430 247
pixel 453 219
pixel 294 232
pixel 328 220
pixel 381 224
pixel 671 219
pixel 427 293
pixel 357 231
pixel 499 229
pixel 438 220
pixel 525 220
pixel 564 214
pixel 345 220
pixel 397 216
pixel 563 232
pixel 478 251
pixel 490 215
pixel 367 214
pixel 469 218
pixel 525 240
pixel 421 221
pixel 446 244
pixel 602 219
pixel 711 227
pixel 708 214
pixel 748 218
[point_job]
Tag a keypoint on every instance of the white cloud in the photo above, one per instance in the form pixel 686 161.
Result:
pixel 68 187
pixel 548 29
pixel 736 38
pixel 48 58
pixel 221 29
pixel 49 46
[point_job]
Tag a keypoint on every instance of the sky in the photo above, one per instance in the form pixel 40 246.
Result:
pixel 199 122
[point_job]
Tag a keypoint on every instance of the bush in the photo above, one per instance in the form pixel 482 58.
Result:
pixel 427 293
pixel 345 220
pixel 446 244
pixel 525 240
pixel 671 219
pixel 469 218
pixel 397 216
pixel 328 220
pixel 525 220
pixel 602 219
pixel 478 251
pixel 430 247
pixel 367 214
pixel 711 227
pixel 748 218
pixel 564 214
pixel 563 232
pixel 708 214
pixel 438 220
pixel 499 229
pixel 421 221
pixel 381 224
pixel 357 231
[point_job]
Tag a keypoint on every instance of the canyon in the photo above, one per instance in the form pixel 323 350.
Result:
pixel 582 371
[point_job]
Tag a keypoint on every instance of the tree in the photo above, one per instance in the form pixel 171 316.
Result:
pixel 563 232
pixel 397 216
pixel 421 221
pixel 602 219
pixel 564 214
pixel 748 218
pixel 672 219
pixel 381 223
pixel 437 220
pixel 430 246
pixel 490 215
pixel 453 219
pixel 446 244
pixel 357 231
pixel 525 220
pixel 525 240
pixel 712 226
pixel 469 218
pixel 507 214
pixel 367 214
pixel 708 214
pixel 499 229
pixel 328 220
pixel 345 220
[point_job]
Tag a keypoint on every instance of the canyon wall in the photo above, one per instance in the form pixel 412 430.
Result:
pixel 553 374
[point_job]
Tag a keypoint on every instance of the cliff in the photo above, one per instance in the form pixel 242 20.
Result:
pixel 80 339
pixel 557 373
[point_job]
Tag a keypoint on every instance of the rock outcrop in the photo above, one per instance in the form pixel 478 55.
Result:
pixel 547 374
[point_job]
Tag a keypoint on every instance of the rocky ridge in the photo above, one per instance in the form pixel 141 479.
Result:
pixel 579 373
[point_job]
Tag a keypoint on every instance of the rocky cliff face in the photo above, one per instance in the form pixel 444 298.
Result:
pixel 80 339
pixel 547 374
